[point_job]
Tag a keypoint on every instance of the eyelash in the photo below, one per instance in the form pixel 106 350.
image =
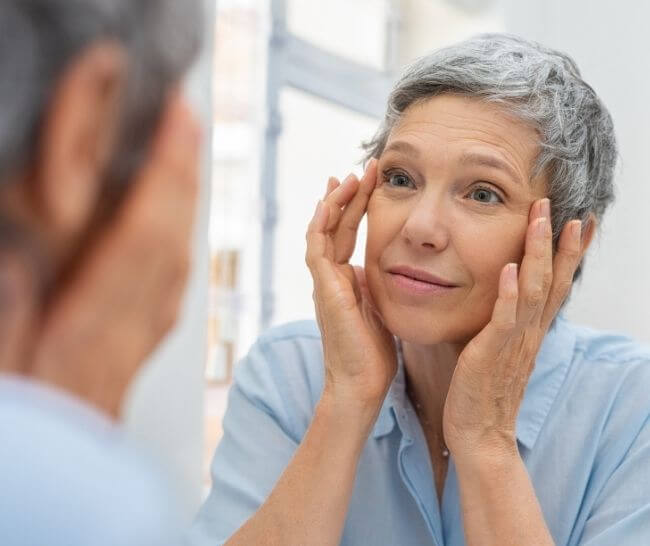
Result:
pixel 389 174
pixel 488 189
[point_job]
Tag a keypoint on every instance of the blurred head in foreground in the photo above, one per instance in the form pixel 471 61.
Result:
pixel 84 87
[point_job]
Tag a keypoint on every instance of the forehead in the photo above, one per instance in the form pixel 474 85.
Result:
pixel 451 125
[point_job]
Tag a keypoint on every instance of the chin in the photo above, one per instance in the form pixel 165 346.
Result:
pixel 426 328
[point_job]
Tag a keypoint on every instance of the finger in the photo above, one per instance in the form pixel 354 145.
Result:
pixel 489 343
pixel 332 184
pixel 345 237
pixel 504 315
pixel 340 198
pixel 327 283
pixel 565 263
pixel 317 238
pixel 536 274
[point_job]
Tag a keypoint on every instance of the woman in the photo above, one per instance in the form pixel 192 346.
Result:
pixel 442 401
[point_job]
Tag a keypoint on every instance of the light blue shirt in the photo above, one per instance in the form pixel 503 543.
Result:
pixel 68 477
pixel 583 433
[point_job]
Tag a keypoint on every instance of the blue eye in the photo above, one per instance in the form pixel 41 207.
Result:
pixel 398 180
pixel 485 195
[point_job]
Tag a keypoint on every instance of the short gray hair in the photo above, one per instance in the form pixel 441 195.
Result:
pixel 38 38
pixel 542 87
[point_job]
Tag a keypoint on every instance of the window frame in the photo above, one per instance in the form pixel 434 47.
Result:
pixel 296 63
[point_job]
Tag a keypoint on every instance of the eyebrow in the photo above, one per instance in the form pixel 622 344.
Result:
pixel 488 160
pixel 404 147
pixel 475 158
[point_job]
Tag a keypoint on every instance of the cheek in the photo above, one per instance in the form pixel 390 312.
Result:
pixel 384 224
pixel 489 249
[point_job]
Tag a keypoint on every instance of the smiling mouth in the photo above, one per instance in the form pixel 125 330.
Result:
pixel 416 282
pixel 420 276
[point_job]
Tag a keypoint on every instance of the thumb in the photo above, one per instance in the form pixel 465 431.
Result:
pixel 372 316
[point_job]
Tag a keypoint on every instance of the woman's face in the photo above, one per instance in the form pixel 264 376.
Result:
pixel 451 207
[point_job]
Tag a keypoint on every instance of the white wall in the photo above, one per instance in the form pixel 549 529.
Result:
pixel 165 411
pixel 429 24
pixel 610 43
pixel 304 166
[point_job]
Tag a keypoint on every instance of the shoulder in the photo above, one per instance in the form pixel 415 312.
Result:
pixel 77 472
pixel 613 371
pixel 283 373
pixel 611 352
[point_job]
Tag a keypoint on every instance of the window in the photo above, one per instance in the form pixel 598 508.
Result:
pixel 327 137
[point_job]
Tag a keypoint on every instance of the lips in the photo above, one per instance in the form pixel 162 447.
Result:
pixel 421 276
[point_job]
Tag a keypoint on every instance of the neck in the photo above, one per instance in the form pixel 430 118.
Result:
pixel 18 312
pixel 428 371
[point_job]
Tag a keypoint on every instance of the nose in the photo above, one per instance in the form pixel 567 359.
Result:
pixel 427 223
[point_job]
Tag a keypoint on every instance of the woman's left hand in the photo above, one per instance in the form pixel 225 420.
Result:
pixel 493 370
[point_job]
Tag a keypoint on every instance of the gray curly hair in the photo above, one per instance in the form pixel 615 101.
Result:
pixel 38 38
pixel 542 87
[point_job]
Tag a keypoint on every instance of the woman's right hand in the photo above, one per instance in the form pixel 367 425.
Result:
pixel 359 352
pixel 310 500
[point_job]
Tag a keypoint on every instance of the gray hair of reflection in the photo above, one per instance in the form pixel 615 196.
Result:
pixel 39 38
pixel 538 85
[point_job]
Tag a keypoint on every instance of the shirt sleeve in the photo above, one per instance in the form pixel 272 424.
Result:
pixel 261 434
pixel 70 478
pixel 621 514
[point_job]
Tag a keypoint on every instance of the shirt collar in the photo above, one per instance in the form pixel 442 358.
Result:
pixel 552 364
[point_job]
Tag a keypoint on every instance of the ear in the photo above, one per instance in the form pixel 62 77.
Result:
pixel 77 138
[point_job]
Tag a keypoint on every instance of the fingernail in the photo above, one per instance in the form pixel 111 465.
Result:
pixel 541 225
pixel 576 230
pixel 546 208
pixel 348 178
pixel 512 274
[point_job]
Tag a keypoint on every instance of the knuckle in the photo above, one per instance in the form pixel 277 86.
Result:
pixel 505 325
pixel 572 253
pixel 351 227
pixel 534 298
pixel 474 359
pixel 310 259
pixel 529 353
pixel 562 291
